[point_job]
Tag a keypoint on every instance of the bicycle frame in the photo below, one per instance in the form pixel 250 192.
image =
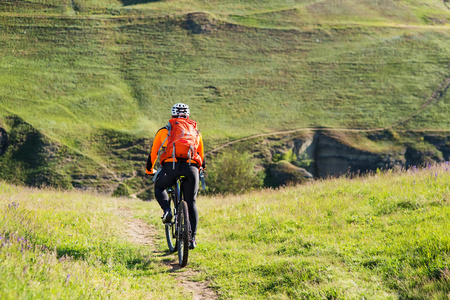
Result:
pixel 179 229
pixel 176 195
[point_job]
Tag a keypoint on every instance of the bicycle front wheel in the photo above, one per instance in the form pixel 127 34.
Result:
pixel 183 234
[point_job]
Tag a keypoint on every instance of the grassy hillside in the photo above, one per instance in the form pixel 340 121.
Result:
pixel 383 236
pixel 85 72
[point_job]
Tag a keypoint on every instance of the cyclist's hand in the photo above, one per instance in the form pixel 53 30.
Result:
pixel 151 173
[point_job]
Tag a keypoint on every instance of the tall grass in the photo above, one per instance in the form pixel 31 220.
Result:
pixel 61 245
pixel 381 236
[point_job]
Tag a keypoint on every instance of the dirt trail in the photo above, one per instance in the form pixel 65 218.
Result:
pixel 141 233
pixel 437 94
pixel 199 290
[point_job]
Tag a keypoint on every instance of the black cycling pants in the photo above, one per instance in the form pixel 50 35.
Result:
pixel 168 176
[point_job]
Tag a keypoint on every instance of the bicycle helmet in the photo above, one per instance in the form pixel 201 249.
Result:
pixel 180 110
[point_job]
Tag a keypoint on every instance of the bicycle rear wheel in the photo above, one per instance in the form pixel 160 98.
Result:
pixel 183 234
pixel 170 230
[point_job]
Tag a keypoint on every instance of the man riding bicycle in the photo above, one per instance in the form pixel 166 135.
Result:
pixel 175 163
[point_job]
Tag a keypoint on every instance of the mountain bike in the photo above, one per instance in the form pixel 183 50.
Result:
pixel 178 231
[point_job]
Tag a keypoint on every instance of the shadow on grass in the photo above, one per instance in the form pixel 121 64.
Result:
pixel 173 264
pixel 130 261
pixel 134 2
pixel 74 254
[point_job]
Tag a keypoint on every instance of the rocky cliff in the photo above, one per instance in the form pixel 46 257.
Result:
pixel 326 153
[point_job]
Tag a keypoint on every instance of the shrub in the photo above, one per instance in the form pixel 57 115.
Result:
pixel 233 172
pixel 122 190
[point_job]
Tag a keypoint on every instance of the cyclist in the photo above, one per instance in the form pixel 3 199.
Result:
pixel 174 167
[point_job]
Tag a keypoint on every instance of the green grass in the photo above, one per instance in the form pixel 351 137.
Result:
pixel 83 74
pixel 381 236
pixel 62 245
pixel 291 82
pixel 77 69
pixel 274 12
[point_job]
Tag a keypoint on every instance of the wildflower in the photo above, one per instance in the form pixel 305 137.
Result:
pixel 13 205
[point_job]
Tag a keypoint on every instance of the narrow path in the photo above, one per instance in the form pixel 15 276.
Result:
pixel 437 94
pixel 200 290
pixel 139 232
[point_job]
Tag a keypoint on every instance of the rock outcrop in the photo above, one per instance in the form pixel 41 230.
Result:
pixel 285 173
pixel 322 154
pixel 332 158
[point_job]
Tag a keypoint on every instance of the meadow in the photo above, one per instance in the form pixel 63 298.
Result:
pixel 380 236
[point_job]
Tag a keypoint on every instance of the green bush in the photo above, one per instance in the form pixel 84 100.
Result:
pixel 122 190
pixel 233 173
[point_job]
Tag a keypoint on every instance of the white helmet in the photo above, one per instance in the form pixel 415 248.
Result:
pixel 180 110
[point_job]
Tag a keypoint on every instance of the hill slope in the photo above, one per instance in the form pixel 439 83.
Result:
pixel 86 74
pixel 383 236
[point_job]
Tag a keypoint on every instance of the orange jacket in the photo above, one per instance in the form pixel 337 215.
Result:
pixel 161 137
